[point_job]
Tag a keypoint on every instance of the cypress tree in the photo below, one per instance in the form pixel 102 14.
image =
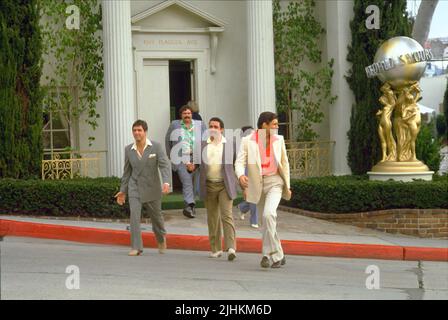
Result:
pixel 445 104
pixel 364 146
pixel 20 94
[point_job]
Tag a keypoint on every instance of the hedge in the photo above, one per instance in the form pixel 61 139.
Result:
pixel 342 194
pixel 345 194
pixel 78 197
pixel 81 197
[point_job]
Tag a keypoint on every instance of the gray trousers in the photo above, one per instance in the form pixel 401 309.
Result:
pixel 190 183
pixel 154 209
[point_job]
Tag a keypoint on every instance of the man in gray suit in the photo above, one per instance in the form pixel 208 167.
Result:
pixel 182 142
pixel 218 188
pixel 141 182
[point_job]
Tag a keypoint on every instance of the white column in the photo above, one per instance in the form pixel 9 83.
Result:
pixel 118 81
pixel 260 59
pixel 338 17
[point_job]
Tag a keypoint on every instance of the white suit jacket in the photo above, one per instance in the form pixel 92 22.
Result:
pixel 249 157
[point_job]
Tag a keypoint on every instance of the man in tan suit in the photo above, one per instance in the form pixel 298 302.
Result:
pixel 218 188
pixel 267 181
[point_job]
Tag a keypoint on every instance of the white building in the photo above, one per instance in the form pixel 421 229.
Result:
pixel 160 54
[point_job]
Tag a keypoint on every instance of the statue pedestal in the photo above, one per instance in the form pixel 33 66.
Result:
pixel 405 171
pixel 403 176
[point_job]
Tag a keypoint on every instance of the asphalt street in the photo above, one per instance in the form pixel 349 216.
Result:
pixel 52 269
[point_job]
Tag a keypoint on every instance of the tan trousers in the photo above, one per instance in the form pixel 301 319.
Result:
pixel 267 208
pixel 219 216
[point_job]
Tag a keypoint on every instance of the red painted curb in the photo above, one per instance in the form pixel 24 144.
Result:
pixel 346 250
pixel 60 232
pixel 201 243
pixel 430 254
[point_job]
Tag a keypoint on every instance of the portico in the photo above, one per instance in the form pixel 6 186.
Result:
pixel 158 55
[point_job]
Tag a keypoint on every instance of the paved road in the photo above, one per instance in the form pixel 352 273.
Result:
pixel 36 269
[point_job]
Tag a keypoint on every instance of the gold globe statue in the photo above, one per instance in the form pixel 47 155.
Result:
pixel 399 64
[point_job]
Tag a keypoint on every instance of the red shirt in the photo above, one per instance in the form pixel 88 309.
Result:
pixel 268 163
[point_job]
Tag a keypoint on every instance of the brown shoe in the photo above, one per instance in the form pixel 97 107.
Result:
pixel 162 247
pixel 283 261
pixel 134 253
pixel 280 263
pixel 231 254
pixel 277 264
pixel 265 262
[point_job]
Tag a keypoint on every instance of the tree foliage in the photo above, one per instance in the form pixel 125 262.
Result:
pixel 296 46
pixel 428 146
pixel 445 105
pixel 20 93
pixel 364 145
pixel 74 57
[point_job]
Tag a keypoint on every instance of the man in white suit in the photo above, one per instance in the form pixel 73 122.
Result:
pixel 267 181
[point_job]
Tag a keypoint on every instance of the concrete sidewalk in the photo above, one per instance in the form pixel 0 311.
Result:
pixel 299 234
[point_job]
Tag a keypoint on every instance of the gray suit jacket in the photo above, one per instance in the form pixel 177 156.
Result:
pixel 141 177
pixel 227 171
pixel 171 142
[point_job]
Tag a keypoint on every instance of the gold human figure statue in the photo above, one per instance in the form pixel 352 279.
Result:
pixel 399 118
pixel 399 124
pixel 407 121
pixel 388 145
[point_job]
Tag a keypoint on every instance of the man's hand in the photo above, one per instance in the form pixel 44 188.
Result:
pixel 244 181
pixel 121 198
pixel 289 193
pixel 166 188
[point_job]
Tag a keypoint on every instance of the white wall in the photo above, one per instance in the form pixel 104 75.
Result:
pixel 227 88
pixel 433 89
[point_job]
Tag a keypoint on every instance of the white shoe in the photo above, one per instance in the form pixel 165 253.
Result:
pixel 231 254
pixel 215 254
pixel 255 226
pixel 242 216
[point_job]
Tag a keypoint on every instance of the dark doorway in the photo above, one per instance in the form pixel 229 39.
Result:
pixel 180 77
pixel 181 72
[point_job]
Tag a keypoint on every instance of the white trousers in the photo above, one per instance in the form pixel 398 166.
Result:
pixel 267 208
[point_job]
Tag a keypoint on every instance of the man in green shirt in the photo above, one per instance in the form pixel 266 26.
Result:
pixel 183 146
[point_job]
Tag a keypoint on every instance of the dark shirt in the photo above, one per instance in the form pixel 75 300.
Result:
pixel 197 116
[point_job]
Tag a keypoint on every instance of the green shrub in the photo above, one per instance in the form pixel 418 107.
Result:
pixel 428 146
pixel 343 194
pixel 81 197
pixel 78 197
pixel 346 194
pixel 445 105
pixel 441 126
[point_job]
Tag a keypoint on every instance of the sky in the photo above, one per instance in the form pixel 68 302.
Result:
pixel 439 24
